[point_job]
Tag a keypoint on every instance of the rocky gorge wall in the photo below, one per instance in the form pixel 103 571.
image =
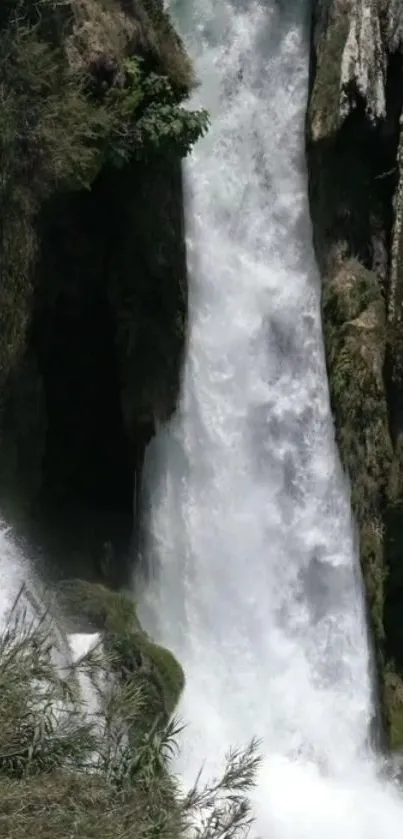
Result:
pixel 93 286
pixel 93 316
pixel 354 152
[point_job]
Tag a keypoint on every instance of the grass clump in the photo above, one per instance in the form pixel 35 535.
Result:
pixel 69 772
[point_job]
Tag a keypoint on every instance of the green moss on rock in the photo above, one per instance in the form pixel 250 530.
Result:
pixel 354 328
pixel 99 607
pixel 133 653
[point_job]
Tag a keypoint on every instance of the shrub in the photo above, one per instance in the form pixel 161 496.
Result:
pixel 67 772
pixel 149 117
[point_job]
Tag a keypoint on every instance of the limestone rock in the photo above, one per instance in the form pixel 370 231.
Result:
pixel 354 148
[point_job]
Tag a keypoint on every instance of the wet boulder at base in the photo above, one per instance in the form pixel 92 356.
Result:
pixel 354 143
pixel 132 655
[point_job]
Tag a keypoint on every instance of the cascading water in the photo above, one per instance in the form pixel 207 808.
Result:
pixel 17 578
pixel 256 585
pixel 15 571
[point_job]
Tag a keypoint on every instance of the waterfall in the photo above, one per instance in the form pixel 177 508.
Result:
pixel 17 578
pixel 255 581
pixel 15 571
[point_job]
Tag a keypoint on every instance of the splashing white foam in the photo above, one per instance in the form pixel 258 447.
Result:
pixel 16 573
pixel 257 587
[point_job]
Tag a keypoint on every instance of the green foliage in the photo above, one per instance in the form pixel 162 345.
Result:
pixel 50 129
pixel 104 609
pixel 219 808
pixel 149 117
pixel 67 773
pixel 39 731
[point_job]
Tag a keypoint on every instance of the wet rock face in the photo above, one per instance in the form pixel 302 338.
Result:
pixel 354 147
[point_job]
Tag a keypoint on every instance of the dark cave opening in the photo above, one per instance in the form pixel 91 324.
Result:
pixel 87 453
pixel 83 511
pixel 102 362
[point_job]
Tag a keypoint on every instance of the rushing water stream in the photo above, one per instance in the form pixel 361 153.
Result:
pixel 255 582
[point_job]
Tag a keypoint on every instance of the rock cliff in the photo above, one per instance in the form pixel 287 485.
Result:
pixel 93 291
pixel 354 150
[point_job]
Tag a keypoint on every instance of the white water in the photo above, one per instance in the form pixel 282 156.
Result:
pixel 16 574
pixel 14 569
pixel 256 585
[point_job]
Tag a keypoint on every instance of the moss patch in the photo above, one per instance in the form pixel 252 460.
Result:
pixel 132 651
pixel 65 774
pixel 354 327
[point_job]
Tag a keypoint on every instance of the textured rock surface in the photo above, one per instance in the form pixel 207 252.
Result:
pixel 354 150
pixel 93 286
pixel 95 608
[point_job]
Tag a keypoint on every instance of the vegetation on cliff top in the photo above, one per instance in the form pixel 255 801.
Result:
pixel 67 773
pixel 84 85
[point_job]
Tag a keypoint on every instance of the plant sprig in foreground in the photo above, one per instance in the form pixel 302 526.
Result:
pixel 69 772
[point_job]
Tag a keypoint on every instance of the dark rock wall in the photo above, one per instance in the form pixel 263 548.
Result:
pixel 353 142
pixel 93 312
pixel 103 360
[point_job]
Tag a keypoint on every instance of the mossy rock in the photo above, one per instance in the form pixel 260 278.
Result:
pixel 354 328
pixel 133 654
pixel 103 610
pixel 349 292
pixel 324 109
